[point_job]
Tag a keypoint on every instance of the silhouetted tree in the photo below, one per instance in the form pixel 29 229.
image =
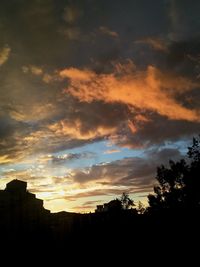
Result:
pixel 194 150
pixel 179 184
pixel 126 201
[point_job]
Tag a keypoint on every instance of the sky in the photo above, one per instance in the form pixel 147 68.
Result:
pixel 95 94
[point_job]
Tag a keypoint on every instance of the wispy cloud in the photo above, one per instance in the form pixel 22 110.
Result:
pixel 33 69
pixel 107 31
pixel 156 43
pixel 72 13
pixel 4 54
pixel 64 158
pixel 111 151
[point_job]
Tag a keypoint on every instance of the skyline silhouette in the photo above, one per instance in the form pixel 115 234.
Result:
pixel 170 222
pixel 172 216
pixel 177 188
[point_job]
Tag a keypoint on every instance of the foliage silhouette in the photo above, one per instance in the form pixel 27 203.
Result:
pixel 126 201
pixel 179 184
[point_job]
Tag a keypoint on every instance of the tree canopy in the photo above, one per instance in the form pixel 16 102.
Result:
pixel 179 183
pixel 126 201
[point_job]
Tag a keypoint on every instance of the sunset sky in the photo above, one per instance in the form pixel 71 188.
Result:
pixel 94 94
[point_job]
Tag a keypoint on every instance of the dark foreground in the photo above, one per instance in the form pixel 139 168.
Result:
pixel 31 232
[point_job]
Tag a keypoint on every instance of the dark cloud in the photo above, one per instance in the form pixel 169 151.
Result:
pixel 136 173
pixel 184 19
pixel 68 29
pixel 11 134
pixel 157 130
pixel 70 157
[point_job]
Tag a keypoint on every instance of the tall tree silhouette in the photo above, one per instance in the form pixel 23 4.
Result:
pixel 179 184
pixel 126 201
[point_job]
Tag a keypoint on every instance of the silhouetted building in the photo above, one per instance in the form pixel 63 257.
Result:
pixel 20 209
pixel 113 205
pixel 16 186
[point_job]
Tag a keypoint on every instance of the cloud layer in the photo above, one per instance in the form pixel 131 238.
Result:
pixel 86 88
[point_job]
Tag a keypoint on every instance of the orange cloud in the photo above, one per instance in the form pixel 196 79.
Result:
pixel 111 151
pixel 149 90
pixel 4 54
pixel 75 129
pixel 76 74
pixel 34 112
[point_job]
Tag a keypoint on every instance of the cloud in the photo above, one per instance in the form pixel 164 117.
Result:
pixel 72 30
pixel 90 121
pixel 33 69
pixel 19 140
pixel 54 127
pixel 96 192
pixel 184 19
pixel 4 54
pixel 149 90
pixel 11 144
pixel 64 158
pixel 156 43
pixel 71 33
pixel 75 129
pixel 48 141
pixel 136 172
pixel 183 57
pixel 157 131
pixel 111 151
pixel 107 31
pixel 37 117
pixel 45 120
pixel 91 202
pixel 72 13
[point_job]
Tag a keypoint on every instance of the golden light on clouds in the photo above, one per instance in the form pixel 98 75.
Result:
pixel 4 159
pixel 111 151
pixel 146 90
pixel 75 130
pixel 4 54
